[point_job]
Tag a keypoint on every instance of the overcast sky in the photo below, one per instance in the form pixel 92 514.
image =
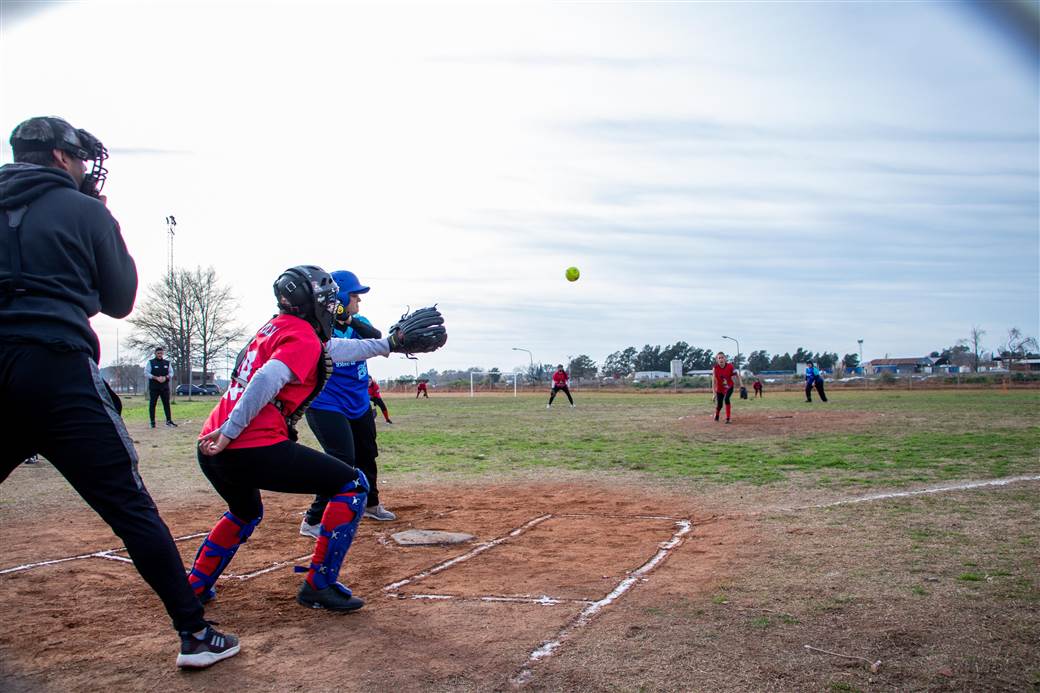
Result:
pixel 789 174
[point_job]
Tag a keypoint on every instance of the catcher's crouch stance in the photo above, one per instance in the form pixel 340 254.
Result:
pixel 248 441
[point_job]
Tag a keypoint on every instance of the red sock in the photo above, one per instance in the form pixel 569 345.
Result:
pixel 727 411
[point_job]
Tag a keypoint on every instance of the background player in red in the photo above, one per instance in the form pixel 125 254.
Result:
pixel 758 387
pixel 560 380
pixel 723 375
pixel 248 441
pixel 421 390
pixel 377 399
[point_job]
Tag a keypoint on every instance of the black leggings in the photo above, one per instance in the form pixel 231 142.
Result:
pixel 238 474
pixel 819 388
pixel 378 401
pixel 351 440
pixel 55 403
pixel 566 391
pixel 722 398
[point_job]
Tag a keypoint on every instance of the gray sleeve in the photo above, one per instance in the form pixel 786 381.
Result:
pixel 342 350
pixel 148 369
pixel 265 384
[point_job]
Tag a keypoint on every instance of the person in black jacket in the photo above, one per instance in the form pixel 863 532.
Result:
pixel 63 260
pixel 158 372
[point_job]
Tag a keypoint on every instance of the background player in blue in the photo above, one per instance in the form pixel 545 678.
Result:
pixel 813 378
pixel 340 416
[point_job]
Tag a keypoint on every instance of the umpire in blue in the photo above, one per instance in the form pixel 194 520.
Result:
pixel 63 260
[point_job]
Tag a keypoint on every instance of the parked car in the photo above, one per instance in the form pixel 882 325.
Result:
pixel 211 389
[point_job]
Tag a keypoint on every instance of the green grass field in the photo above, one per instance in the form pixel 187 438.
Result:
pixel 887 438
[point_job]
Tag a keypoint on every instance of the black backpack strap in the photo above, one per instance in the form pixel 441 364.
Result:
pixel 11 285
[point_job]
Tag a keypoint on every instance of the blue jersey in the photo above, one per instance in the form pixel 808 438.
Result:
pixel 346 390
pixel 811 374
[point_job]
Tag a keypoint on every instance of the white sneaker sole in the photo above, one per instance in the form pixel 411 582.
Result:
pixel 205 659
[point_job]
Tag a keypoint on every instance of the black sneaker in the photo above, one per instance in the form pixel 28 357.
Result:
pixel 153 424
pixel 335 597
pixel 213 647
pixel 171 424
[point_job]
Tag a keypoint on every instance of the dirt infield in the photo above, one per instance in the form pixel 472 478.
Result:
pixel 478 621
pixel 534 602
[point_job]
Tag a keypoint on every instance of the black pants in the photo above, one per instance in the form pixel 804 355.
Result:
pixel 819 388
pixel 239 474
pixel 722 398
pixel 54 403
pixel 155 393
pixel 565 390
pixel 351 440
pixel 378 401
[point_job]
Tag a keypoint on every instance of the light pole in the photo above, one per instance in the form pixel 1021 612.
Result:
pixel 171 224
pixel 860 342
pixel 530 358
pixel 736 359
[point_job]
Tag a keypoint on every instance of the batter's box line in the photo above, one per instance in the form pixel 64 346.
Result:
pixel 106 553
pixel 544 600
pixel 587 614
pixel 614 516
pixel 476 551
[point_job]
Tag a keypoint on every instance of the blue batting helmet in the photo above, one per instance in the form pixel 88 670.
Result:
pixel 348 284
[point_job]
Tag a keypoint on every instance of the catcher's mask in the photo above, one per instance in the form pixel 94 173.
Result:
pixel 44 134
pixel 308 292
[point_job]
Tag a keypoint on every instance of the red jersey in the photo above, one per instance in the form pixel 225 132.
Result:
pixel 422 386
pixel 373 388
pixel 722 378
pixel 560 379
pixel 292 341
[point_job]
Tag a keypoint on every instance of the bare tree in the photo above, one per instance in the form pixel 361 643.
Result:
pixel 166 318
pixel 126 374
pixel 191 315
pixel 213 306
pixel 1018 346
pixel 974 342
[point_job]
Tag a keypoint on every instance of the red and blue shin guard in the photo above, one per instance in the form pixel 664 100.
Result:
pixel 339 523
pixel 217 550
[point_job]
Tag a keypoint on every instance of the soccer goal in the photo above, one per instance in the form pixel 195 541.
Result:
pixel 476 377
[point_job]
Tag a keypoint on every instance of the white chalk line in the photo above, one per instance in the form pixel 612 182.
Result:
pixel 466 556
pixel 30 566
pixel 262 571
pixel 107 553
pixel 905 494
pixel 544 600
pixel 589 612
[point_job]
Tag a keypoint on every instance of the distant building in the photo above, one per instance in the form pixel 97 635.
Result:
pixel 902 366
pixel 651 375
pixel 1029 364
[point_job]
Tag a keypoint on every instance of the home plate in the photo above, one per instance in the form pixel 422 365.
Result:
pixel 424 537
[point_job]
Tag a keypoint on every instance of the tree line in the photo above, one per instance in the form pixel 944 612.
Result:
pixel 967 352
